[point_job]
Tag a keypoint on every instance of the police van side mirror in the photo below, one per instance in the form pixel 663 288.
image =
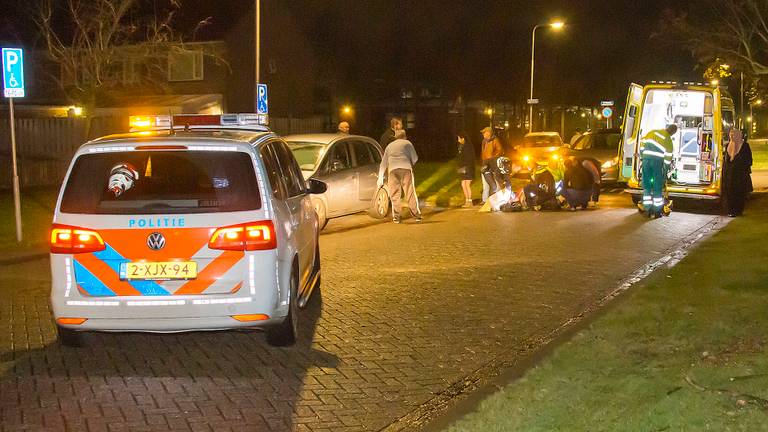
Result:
pixel 316 187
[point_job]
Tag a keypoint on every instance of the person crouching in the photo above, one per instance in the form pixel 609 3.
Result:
pixel 577 185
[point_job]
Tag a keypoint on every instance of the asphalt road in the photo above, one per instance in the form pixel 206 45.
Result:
pixel 407 311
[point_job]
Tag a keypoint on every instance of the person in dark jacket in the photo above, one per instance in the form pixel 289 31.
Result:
pixel 395 124
pixel 465 159
pixel 577 185
pixel 737 182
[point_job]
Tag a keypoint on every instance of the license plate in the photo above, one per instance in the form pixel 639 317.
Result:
pixel 159 270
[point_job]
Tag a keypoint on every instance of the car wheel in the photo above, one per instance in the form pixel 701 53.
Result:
pixel 69 338
pixel 322 215
pixel 286 333
pixel 379 204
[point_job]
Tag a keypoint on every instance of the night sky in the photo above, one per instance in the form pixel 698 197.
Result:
pixel 479 48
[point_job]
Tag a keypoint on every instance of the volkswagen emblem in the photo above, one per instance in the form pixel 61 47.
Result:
pixel 156 241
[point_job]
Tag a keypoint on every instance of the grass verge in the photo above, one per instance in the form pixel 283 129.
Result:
pixel 686 350
pixel 36 216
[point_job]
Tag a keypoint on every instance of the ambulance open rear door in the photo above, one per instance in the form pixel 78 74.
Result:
pixel 629 140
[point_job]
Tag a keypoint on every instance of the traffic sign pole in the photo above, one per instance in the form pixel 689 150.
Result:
pixel 16 191
pixel 13 87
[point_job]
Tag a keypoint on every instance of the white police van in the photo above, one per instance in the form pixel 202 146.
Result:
pixel 198 222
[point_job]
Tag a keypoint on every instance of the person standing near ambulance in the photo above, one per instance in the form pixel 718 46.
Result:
pixel 656 153
pixel 397 162
pixel 489 151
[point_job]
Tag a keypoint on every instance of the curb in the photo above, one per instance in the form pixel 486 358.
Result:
pixel 463 396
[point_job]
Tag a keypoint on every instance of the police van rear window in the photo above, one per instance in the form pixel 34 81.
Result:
pixel 167 182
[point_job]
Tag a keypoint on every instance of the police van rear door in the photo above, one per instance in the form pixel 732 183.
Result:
pixel 157 209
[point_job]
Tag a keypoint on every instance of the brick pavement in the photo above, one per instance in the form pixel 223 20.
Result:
pixel 406 311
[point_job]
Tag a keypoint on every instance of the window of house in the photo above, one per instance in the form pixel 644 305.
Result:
pixel 185 65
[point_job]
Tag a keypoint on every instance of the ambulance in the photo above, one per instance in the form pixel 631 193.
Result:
pixel 704 116
pixel 197 222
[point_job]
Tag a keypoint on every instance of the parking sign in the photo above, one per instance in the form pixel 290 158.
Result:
pixel 262 101
pixel 13 72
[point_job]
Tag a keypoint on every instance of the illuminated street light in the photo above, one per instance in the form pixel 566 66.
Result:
pixel 555 25
pixel 346 109
pixel 714 82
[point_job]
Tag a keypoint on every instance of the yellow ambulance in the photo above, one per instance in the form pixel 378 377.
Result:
pixel 704 116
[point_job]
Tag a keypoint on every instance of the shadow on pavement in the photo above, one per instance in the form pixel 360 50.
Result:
pixel 223 379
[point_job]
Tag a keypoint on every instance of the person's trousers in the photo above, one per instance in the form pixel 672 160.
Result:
pixel 653 182
pixel 401 178
pixel 576 197
pixel 596 192
pixel 486 184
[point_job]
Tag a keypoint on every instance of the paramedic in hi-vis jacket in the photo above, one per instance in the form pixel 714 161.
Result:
pixel 656 152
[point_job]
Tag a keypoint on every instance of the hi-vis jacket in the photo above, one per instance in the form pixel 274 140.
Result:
pixel 657 143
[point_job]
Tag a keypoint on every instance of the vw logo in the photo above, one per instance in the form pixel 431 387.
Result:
pixel 156 241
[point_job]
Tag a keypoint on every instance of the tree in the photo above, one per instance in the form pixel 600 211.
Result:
pixel 730 32
pixel 89 42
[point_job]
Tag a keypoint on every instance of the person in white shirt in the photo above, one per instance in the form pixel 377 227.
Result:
pixel 397 162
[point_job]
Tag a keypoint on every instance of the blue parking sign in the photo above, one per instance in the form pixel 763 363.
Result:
pixel 262 101
pixel 13 72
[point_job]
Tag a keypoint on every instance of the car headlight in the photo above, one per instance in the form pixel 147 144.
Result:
pixel 526 158
pixel 610 163
pixel 555 157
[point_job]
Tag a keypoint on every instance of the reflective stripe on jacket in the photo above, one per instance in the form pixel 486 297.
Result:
pixel 657 143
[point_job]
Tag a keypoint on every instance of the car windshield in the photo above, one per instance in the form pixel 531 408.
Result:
pixel 307 154
pixel 167 182
pixel 598 142
pixel 542 141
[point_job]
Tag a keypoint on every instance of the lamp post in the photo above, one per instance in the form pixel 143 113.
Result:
pixel 555 25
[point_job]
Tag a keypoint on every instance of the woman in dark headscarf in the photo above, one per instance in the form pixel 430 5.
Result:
pixel 737 182
pixel 466 166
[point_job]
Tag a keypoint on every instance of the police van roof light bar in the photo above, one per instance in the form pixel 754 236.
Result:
pixel 187 121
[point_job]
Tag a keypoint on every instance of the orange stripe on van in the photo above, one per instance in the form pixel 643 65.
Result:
pixel 180 243
pixel 107 276
pixel 211 273
pixel 236 288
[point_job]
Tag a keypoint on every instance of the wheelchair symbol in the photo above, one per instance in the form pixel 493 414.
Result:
pixel 13 82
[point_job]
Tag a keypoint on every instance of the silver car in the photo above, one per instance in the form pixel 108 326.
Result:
pixel 349 165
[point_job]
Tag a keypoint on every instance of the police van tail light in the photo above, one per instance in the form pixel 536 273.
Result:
pixel 72 240
pixel 245 237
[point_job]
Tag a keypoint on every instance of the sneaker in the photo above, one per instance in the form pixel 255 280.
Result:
pixel 418 219
pixel 467 204
pixel 396 220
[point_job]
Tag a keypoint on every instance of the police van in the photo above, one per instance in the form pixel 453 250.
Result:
pixel 198 222
pixel 704 116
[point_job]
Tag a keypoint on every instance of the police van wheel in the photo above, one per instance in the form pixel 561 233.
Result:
pixel 379 204
pixel 69 338
pixel 285 333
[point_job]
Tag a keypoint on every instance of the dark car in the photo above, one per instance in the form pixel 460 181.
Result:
pixel 602 145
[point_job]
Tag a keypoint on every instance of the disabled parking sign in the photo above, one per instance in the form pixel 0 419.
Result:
pixel 262 101
pixel 13 72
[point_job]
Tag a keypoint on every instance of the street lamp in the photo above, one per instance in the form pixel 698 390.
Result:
pixel 489 113
pixel 555 25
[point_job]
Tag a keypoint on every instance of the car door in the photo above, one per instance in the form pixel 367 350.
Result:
pixel 299 206
pixel 367 171
pixel 342 180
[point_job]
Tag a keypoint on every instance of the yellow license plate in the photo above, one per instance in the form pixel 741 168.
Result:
pixel 160 270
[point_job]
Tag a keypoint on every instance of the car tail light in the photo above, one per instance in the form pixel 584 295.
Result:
pixel 72 240
pixel 245 237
